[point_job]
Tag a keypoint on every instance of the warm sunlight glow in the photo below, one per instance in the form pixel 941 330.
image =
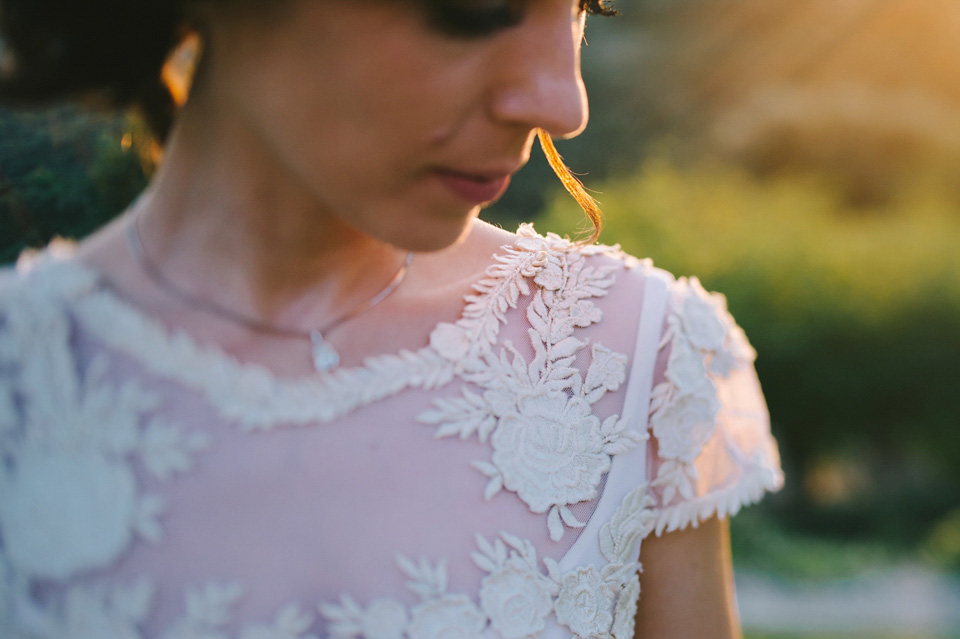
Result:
pixel 573 186
pixel 178 71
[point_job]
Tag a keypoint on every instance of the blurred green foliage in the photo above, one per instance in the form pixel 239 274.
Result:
pixel 762 543
pixel 63 171
pixel 856 316
pixel 942 545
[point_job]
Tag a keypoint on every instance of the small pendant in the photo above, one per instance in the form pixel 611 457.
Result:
pixel 325 357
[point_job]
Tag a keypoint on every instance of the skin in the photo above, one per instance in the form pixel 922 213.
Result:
pixel 308 160
pixel 687 585
pixel 356 108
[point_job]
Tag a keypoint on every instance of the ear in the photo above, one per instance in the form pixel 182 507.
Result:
pixel 180 68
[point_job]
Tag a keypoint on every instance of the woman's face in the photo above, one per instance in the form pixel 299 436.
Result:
pixel 400 117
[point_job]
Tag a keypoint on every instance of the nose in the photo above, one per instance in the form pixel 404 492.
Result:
pixel 539 75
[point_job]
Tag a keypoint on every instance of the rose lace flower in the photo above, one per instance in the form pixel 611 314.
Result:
pixel 686 423
pixel 685 367
pixel 450 617
pixel 64 511
pixel 517 599
pixel 701 320
pixel 384 619
pixel 585 602
pixel 550 451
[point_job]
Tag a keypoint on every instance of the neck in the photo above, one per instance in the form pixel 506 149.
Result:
pixel 261 241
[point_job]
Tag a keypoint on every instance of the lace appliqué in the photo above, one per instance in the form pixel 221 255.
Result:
pixel 255 399
pixel 517 595
pixel 69 499
pixel 548 447
pixel 537 412
pixel 97 612
pixel 705 346
pixel 208 611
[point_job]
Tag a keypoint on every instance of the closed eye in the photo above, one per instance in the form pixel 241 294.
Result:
pixel 473 18
pixel 480 18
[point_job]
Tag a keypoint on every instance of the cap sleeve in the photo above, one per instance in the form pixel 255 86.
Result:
pixel 711 451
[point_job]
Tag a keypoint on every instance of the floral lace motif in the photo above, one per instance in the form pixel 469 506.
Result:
pixel 69 475
pixel 706 345
pixel 73 441
pixel 84 441
pixel 517 595
pixel 69 500
pixel 97 612
pixel 548 447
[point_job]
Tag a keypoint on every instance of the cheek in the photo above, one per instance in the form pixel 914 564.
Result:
pixel 405 88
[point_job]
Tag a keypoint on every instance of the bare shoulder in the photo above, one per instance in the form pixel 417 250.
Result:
pixel 106 249
pixel 464 262
pixel 485 239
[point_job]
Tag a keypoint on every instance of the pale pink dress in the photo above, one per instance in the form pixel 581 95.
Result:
pixel 497 482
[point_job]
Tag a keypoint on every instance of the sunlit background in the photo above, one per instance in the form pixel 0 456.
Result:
pixel 802 156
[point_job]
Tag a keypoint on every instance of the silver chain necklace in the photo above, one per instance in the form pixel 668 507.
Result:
pixel 325 356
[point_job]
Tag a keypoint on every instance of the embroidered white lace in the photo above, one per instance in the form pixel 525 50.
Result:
pixel 91 463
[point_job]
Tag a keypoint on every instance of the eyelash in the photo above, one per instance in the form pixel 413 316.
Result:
pixel 457 18
pixel 467 19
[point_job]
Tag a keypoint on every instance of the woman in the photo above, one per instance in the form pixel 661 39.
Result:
pixel 292 393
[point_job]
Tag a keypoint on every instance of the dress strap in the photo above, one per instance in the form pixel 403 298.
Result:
pixel 628 470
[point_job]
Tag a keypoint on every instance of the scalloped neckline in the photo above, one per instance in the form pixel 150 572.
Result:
pixel 214 351
pixel 247 392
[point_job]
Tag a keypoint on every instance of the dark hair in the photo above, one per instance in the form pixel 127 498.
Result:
pixel 109 49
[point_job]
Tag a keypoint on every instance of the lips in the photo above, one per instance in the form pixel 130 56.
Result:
pixel 476 188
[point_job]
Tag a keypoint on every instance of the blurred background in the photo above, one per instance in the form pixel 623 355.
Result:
pixel 801 156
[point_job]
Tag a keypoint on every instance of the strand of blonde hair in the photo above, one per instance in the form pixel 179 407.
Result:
pixel 573 186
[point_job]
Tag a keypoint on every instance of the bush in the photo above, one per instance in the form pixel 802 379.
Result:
pixel 63 172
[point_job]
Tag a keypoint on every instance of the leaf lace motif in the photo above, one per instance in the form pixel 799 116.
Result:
pixel 548 447
pixel 208 611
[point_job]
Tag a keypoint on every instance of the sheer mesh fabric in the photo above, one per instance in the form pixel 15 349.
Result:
pixel 297 512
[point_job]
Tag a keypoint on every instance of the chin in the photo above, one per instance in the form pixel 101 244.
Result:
pixel 426 237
